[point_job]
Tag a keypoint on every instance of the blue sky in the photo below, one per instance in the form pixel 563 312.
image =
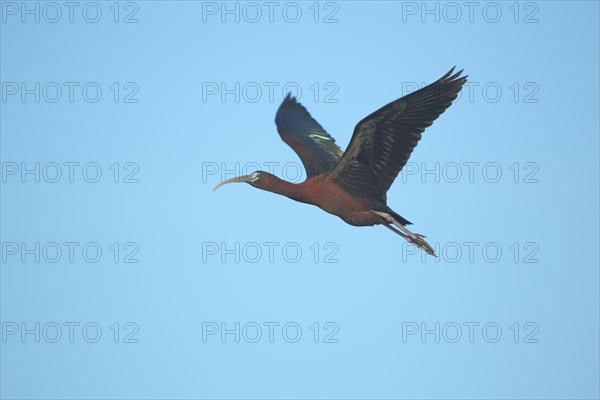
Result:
pixel 124 276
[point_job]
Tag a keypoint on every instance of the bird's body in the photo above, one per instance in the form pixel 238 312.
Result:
pixel 353 184
pixel 327 195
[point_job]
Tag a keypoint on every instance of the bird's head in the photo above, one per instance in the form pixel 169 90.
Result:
pixel 259 179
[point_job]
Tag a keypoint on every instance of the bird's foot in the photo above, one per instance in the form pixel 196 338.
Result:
pixel 415 238
pixel 418 241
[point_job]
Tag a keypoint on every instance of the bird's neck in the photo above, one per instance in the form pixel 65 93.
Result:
pixel 293 191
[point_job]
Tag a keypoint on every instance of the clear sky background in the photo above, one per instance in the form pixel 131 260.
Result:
pixel 173 97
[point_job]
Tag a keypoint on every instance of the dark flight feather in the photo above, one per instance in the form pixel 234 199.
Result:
pixel 383 141
pixel 315 147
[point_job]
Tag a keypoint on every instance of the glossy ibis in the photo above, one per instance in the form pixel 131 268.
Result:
pixel 353 184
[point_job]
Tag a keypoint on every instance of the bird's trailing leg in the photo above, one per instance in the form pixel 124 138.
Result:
pixel 414 238
pixel 390 227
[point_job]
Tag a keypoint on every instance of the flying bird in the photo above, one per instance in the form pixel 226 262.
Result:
pixel 353 184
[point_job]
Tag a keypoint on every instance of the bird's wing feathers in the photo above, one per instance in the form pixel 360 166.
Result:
pixel 383 141
pixel 315 147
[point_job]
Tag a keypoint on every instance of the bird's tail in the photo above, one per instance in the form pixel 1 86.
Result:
pixel 392 219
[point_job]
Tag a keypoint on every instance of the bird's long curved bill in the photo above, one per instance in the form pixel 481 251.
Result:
pixel 245 178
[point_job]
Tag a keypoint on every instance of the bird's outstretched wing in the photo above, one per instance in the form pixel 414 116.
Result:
pixel 315 147
pixel 383 141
